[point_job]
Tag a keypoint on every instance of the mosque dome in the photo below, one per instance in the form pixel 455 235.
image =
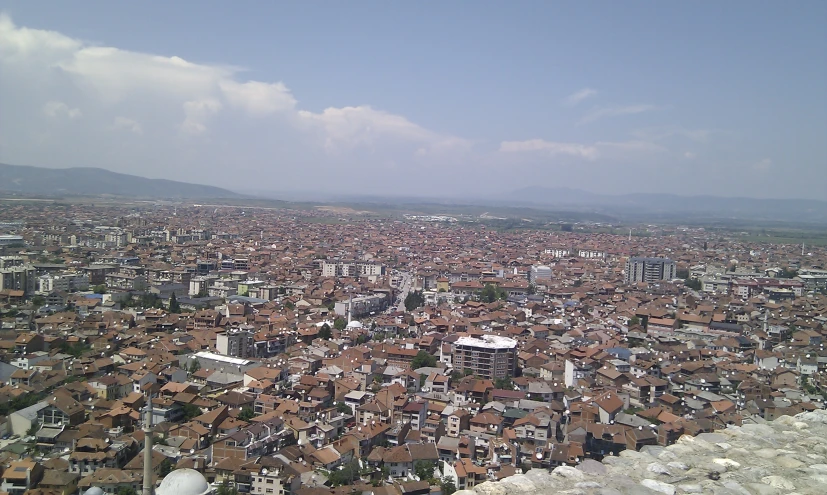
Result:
pixel 93 490
pixel 184 482
pixel 355 324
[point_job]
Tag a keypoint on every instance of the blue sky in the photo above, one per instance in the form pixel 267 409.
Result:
pixel 424 98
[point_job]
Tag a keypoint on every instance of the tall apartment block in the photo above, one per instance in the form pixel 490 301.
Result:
pixel 489 356
pixel 649 270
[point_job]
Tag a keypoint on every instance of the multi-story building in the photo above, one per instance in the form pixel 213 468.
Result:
pixel 489 356
pixel 649 270
pixel 539 273
pixel 352 269
pixel 236 343
pixel 362 305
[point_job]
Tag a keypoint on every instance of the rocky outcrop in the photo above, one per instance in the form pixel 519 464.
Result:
pixel 785 456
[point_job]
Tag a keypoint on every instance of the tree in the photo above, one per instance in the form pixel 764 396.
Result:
pixel 532 289
pixel 191 411
pixel 195 365
pixel 325 333
pixel 226 489
pixel 125 490
pixel 247 413
pixel 166 467
pixel 504 383
pixel 447 485
pixel 343 408
pixel 424 470
pixel 38 301
pixel 634 321
pixel 339 323
pixel 99 289
pixel 694 283
pixel 492 293
pixel 174 307
pixel 422 360
pixel 414 300
pixel 346 475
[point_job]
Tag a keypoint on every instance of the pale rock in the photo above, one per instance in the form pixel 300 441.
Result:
pixel 766 453
pixel 588 484
pixel 490 488
pixel 788 462
pixel 659 486
pixel 678 465
pixel 567 472
pixel 762 489
pixel 801 425
pixel 778 482
pixel 758 430
pixel 590 466
pixel 690 488
pixel 729 464
pixel 819 468
pixel 520 483
pixel 658 468
pixel 724 445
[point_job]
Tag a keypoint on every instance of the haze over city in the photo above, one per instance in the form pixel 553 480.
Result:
pixel 424 99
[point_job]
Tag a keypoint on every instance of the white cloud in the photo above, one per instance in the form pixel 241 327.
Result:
pixel 125 123
pixel 604 112
pixel 689 155
pixel 550 147
pixel 575 98
pixel 632 146
pixel 197 112
pixel 258 97
pixel 55 109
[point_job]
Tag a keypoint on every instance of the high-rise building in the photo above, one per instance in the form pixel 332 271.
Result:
pixel 539 274
pixel 489 356
pixel 236 343
pixel 649 270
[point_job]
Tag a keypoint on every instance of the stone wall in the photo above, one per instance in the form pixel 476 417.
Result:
pixel 785 456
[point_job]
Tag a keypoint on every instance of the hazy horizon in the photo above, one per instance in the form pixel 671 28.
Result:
pixel 417 100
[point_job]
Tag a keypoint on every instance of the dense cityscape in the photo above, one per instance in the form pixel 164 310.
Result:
pixel 315 351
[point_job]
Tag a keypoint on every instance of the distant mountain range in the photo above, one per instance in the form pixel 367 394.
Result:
pixel 672 206
pixel 97 181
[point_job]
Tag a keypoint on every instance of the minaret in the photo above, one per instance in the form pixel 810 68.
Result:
pixel 148 485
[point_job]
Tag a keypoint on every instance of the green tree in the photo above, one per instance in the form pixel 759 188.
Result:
pixel 247 413
pixel 343 408
pixel 226 489
pixel 99 289
pixel 423 359
pixel 325 333
pixel 346 475
pixel 195 365
pixel 414 300
pixel 447 485
pixel 504 383
pixel 38 301
pixel 339 323
pixel 634 321
pixel 424 470
pixel 191 411
pixel 166 467
pixel 174 307
pixel 125 490
pixel 694 283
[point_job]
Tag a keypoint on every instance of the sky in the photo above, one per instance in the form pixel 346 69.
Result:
pixel 436 99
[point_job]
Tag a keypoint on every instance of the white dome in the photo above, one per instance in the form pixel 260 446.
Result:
pixel 184 482
pixel 93 490
pixel 354 324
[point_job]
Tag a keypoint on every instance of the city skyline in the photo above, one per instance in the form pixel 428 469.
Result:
pixel 407 100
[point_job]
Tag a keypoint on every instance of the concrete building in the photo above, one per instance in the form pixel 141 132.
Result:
pixel 539 274
pixel 650 270
pixel 238 343
pixel 489 356
pixel 362 305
